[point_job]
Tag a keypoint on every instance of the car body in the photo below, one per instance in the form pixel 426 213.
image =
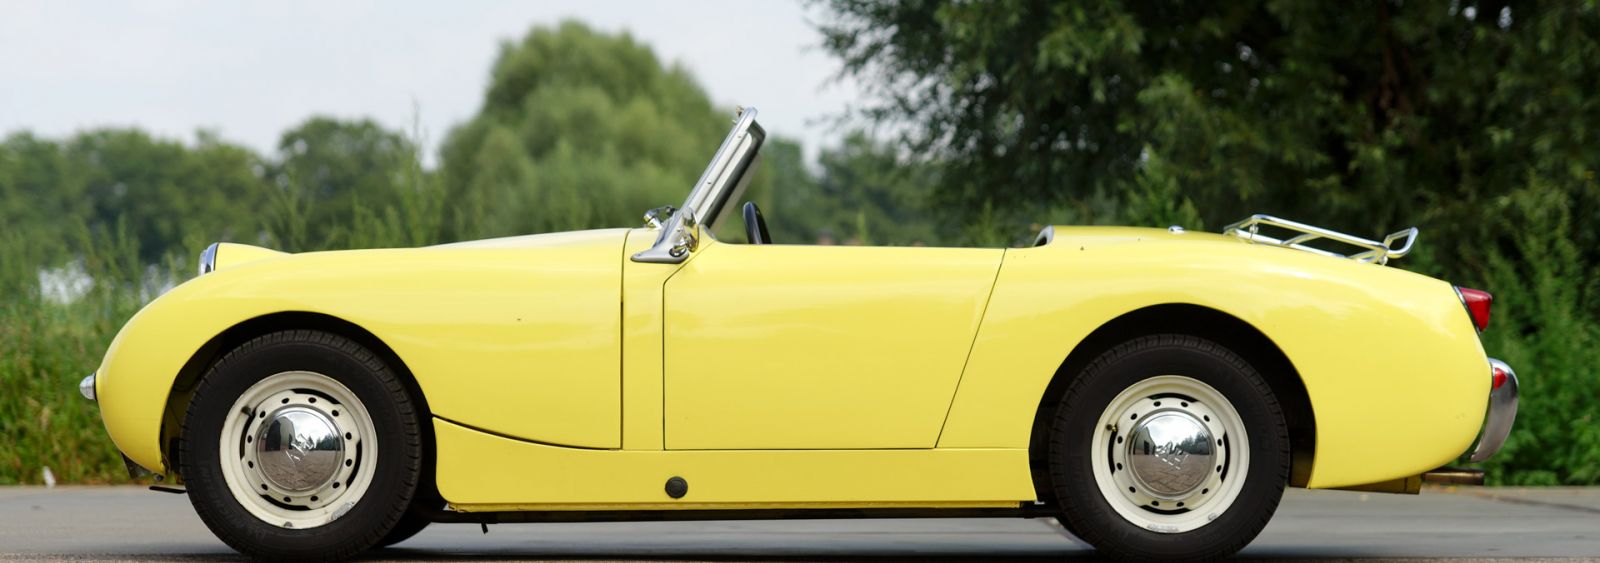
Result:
pixel 577 375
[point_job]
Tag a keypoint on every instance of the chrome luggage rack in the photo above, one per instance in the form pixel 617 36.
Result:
pixel 1374 252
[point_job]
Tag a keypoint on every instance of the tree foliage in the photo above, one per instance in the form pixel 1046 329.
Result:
pixel 864 193
pixel 329 174
pixel 578 129
pixel 163 191
pixel 1370 115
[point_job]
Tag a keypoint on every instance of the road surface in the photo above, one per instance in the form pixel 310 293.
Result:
pixel 84 523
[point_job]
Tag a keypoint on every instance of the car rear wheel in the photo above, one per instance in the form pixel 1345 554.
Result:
pixel 1168 447
pixel 301 445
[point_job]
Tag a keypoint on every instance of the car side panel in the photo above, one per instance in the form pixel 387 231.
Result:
pixel 1395 373
pixel 819 347
pixel 527 476
pixel 522 341
pixel 642 325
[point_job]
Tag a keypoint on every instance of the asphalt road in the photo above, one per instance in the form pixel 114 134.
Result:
pixel 84 523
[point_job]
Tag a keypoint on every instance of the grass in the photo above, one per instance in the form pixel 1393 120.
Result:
pixel 45 349
pixel 48 345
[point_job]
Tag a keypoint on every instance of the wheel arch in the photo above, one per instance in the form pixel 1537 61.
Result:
pixel 188 377
pixel 1237 335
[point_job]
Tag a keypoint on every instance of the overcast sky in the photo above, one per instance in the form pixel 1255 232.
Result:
pixel 252 70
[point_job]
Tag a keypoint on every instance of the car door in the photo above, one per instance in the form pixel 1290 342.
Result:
pixel 818 347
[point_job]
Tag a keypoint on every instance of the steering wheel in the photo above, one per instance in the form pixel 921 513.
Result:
pixel 755 226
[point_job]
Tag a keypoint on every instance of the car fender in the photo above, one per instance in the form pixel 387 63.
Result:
pixel 520 337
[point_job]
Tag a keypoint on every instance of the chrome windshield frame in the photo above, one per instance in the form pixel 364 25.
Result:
pixel 724 180
pixel 728 174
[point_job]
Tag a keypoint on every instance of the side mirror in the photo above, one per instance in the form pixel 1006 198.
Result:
pixel 679 236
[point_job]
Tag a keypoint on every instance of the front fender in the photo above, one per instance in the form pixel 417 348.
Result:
pixel 519 339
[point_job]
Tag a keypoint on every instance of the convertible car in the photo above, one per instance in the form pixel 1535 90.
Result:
pixel 1152 390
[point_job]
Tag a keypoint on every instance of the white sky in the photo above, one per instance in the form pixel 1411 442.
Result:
pixel 252 70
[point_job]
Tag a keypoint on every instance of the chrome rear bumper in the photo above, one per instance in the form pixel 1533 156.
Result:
pixel 1502 410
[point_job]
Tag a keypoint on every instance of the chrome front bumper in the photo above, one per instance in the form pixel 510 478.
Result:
pixel 1502 410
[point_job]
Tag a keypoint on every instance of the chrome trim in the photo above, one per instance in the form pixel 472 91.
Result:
pixel 1502 413
pixel 1454 476
pixel 724 179
pixel 299 449
pixel 1046 235
pixel 1170 454
pixel 727 175
pixel 653 217
pixel 208 259
pixel 678 237
pixel 86 387
pixel 1375 252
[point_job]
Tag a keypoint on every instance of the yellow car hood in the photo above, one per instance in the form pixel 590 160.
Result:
pixel 536 241
pixel 229 254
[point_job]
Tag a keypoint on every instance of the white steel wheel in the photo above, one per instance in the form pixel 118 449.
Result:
pixel 1164 451
pixel 293 451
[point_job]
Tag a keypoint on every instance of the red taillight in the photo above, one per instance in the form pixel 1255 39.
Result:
pixel 1477 302
pixel 1499 378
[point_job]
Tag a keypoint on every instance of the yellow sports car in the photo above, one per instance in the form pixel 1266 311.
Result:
pixel 1153 390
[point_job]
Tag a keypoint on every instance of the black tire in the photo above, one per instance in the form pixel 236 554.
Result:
pixel 409 525
pixel 1088 513
pixel 412 523
pixel 395 472
pixel 426 500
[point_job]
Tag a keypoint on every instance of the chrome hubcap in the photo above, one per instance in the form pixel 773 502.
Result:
pixel 1170 453
pixel 298 452
pixel 299 449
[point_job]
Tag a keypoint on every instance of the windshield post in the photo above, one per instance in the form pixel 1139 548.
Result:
pixel 729 171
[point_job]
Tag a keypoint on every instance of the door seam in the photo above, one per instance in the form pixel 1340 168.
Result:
pixel 983 317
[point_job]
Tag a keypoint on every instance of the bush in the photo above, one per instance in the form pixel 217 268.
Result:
pixel 47 346
pixel 1542 286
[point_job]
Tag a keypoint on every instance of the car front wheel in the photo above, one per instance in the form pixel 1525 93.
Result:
pixel 301 445
pixel 1168 447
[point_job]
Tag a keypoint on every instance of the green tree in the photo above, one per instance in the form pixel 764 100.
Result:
pixel 164 193
pixel 36 200
pixel 578 129
pixel 1367 116
pixel 868 194
pixel 863 192
pixel 333 178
